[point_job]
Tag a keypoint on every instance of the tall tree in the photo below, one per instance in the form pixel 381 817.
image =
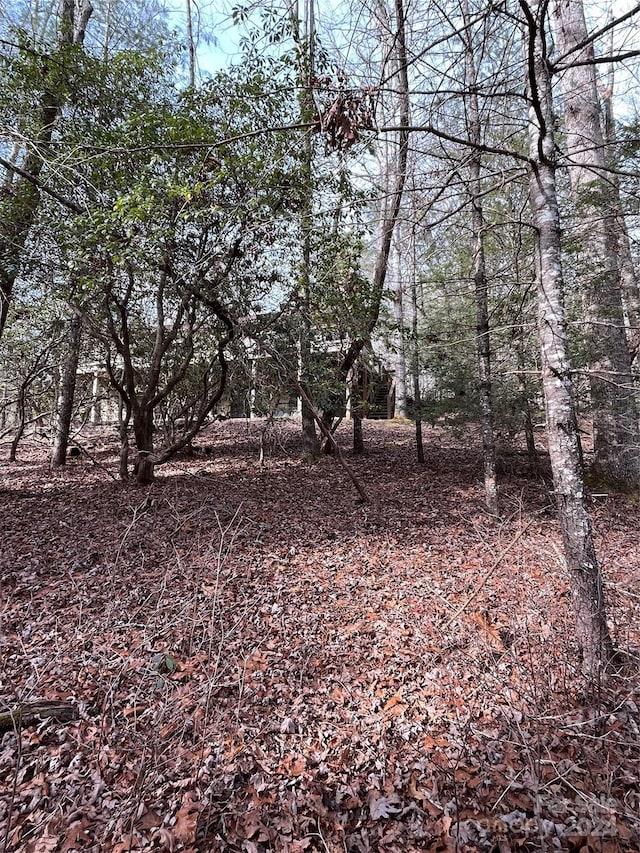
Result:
pixel 565 453
pixel 483 344
pixel 394 28
pixel 615 415
pixel 628 273
pixel 305 39
pixel 399 337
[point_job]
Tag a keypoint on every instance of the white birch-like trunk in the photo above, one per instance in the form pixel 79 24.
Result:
pixel 191 47
pixel 414 351
pixel 399 342
pixel 94 415
pixel 562 433
pixel 615 415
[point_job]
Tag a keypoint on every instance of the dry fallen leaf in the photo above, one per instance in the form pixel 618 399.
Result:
pixel 381 806
pixel 184 829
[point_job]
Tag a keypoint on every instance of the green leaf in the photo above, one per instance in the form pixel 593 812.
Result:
pixel 163 662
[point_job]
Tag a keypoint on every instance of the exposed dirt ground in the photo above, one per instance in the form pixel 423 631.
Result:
pixel 256 661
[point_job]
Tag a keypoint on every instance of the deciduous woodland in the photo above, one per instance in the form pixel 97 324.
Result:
pixel 319 427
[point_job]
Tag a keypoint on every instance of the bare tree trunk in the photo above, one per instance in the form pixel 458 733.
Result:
pixel 143 432
pixel 483 345
pixel 415 350
pixel 19 208
pixel 191 46
pixel 356 412
pixel 585 579
pixel 395 181
pixel 399 343
pixel 615 415
pixel 310 440
pixel 124 416
pixel 64 409
pixel 525 403
pixel 628 275
pixel 22 417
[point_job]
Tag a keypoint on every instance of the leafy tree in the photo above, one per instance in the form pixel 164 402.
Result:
pixel 176 245
pixel 51 76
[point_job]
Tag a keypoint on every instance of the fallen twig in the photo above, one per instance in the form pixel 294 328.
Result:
pixel 484 580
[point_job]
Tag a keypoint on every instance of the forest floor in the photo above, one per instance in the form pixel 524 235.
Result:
pixel 256 661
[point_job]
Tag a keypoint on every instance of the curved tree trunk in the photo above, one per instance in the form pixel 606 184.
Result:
pixel 22 417
pixel 19 208
pixel 615 415
pixel 585 579
pixel 395 187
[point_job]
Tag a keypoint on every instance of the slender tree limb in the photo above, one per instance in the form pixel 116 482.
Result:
pixel 65 202
pixel 598 60
pixel 532 27
pixel 458 140
pixel 483 582
pixel 597 34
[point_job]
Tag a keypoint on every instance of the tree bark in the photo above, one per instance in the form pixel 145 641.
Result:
pixel 415 350
pixel 124 416
pixel 18 210
pixel 31 713
pixel 22 417
pixel 483 344
pixel 356 413
pixel 399 343
pixel 527 420
pixel 64 409
pixel 191 47
pixel 585 579
pixel 143 432
pixel 310 440
pixel 615 415
pixel 628 275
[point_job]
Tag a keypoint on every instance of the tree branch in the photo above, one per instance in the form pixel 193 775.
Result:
pixel 594 36
pixel 65 202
